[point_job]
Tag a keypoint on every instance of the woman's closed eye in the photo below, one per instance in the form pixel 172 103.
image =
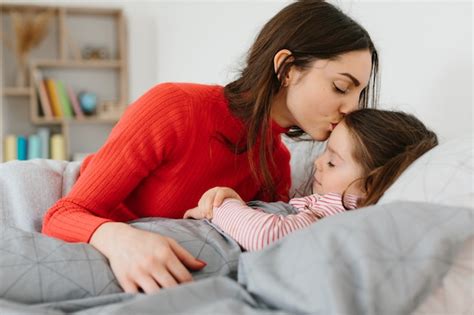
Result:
pixel 339 89
pixel 330 164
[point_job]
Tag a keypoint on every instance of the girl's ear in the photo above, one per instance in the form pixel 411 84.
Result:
pixel 281 56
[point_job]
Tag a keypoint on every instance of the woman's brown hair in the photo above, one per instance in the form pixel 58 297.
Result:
pixel 310 30
pixel 385 144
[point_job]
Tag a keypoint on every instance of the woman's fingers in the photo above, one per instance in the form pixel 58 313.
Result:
pixel 127 285
pixel 186 259
pixel 148 283
pixel 179 272
pixel 164 278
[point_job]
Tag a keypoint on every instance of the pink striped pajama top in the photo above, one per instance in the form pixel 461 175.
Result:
pixel 254 229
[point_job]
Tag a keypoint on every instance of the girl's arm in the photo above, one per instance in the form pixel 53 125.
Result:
pixel 253 229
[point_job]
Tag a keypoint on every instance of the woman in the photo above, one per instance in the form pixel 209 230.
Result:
pixel 309 66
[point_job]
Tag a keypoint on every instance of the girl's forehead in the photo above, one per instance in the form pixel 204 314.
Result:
pixel 340 141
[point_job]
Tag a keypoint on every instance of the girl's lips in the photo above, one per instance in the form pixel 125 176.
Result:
pixel 333 125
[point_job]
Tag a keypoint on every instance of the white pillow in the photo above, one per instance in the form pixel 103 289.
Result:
pixel 303 154
pixel 443 175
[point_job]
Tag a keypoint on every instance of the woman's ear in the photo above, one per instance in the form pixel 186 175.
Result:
pixel 281 56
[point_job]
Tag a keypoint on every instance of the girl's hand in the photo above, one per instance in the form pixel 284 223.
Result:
pixel 142 260
pixel 210 199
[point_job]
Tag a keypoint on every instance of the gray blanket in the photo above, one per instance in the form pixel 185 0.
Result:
pixel 377 260
pixel 384 259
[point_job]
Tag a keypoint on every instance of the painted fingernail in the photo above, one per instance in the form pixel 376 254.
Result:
pixel 202 262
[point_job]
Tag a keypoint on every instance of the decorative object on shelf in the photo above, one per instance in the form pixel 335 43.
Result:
pixel 30 28
pixel 110 110
pixel 88 102
pixel 95 53
pixel 58 151
pixel 10 148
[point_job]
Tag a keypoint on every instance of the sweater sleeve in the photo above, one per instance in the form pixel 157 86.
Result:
pixel 147 134
pixel 253 229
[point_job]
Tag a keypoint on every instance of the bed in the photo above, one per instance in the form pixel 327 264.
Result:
pixel 410 253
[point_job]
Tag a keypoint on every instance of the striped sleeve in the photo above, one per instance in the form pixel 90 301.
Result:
pixel 254 229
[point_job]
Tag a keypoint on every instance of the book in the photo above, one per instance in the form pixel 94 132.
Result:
pixel 42 94
pixel 21 148
pixel 64 99
pixel 58 150
pixel 75 103
pixel 53 97
pixel 34 147
pixel 43 134
pixel 10 147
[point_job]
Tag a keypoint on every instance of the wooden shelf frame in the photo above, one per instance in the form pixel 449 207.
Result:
pixel 65 61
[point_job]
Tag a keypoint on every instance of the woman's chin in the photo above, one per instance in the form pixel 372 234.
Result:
pixel 319 135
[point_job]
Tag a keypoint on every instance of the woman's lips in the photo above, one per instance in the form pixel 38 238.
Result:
pixel 333 125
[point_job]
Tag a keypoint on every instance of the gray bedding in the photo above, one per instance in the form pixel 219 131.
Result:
pixel 384 259
pixel 377 260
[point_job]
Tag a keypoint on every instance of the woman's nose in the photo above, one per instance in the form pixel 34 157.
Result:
pixel 350 105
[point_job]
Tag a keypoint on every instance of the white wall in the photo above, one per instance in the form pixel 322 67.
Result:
pixel 425 49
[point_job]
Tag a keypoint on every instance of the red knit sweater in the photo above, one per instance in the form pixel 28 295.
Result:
pixel 159 159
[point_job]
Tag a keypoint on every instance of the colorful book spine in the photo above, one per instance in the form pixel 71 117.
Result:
pixel 43 95
pixel 64 99
pixel 43 134
pixel 53 97
pixel 34 147
pixel 75 103
pixel 21 148
pixel 58 150
pixel 10 148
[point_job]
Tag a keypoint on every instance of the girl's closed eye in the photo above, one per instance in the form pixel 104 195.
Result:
pixel 330 164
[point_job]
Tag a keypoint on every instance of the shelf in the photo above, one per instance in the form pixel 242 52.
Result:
pixel 78 63
pixel 59 57
pixel 16 91
pixel 92 120
pixel 88 120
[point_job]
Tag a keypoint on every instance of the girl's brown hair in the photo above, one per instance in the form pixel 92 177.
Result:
pixel 310 30
pixel 386 143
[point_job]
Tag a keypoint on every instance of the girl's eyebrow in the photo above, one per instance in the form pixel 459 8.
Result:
pixel 330 149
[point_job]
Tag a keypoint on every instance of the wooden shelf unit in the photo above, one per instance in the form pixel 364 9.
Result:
pixel 59 55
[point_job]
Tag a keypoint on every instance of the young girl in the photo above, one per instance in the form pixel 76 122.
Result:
pixel 365 154
pixel 309 66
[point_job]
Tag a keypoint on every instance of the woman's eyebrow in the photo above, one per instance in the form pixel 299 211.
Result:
pixel 350 76
pixel 330 149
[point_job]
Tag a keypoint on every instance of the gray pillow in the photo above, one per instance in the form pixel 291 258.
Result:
pixel 383 259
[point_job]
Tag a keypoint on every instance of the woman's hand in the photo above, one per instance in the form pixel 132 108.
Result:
pixel 210 199
pixel 143 260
